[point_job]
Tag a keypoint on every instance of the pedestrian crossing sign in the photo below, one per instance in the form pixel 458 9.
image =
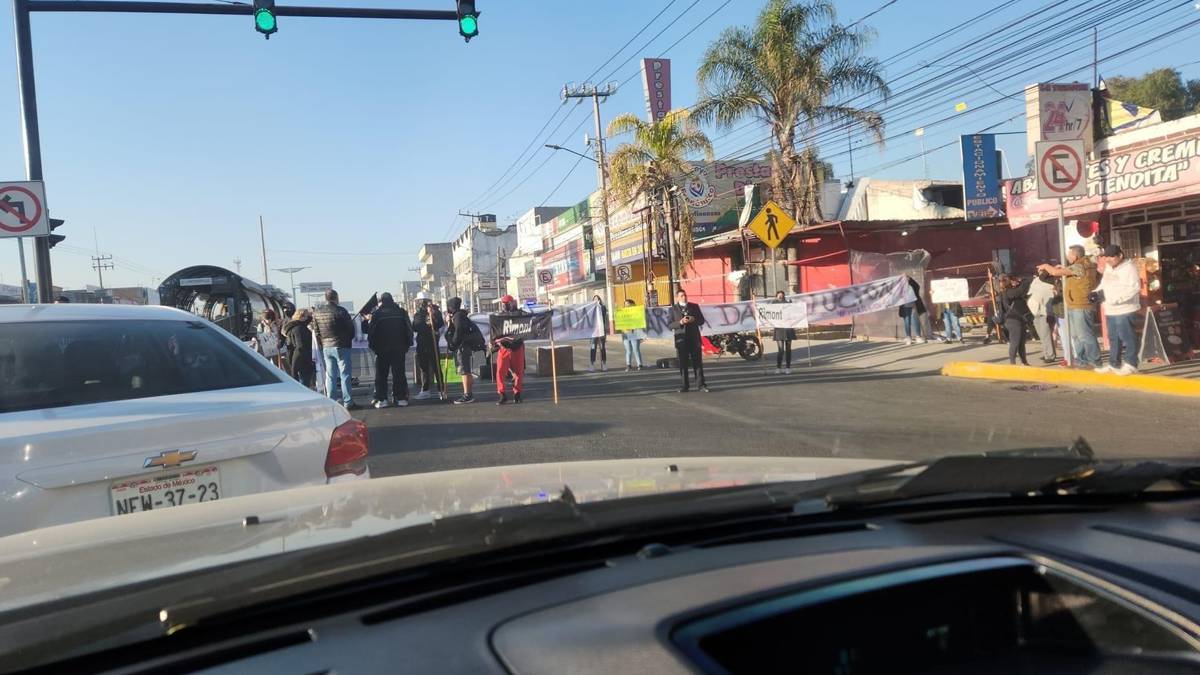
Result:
pixel 772 224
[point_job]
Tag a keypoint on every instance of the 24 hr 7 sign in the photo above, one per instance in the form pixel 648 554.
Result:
pixel 23 210
pixel 1060 169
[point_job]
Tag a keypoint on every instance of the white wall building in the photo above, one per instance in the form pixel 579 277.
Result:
pixel 480 268
pixel 436 263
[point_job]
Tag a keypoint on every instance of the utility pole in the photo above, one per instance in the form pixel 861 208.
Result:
pixel 594 93
pixel 101 263
pixel 262 239
pixel 291 272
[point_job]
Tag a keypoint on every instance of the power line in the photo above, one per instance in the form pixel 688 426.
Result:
pixel 564 179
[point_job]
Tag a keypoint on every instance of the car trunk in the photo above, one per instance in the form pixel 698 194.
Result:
pixel 77 462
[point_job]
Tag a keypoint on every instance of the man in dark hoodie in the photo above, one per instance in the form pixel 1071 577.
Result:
pixel 299 347
pixel 463 338
pixel 428 369
pixel 390 337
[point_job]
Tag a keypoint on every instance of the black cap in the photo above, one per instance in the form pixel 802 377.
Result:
pixel 1112 250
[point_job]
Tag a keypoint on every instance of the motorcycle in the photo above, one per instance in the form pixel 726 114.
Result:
pixel 745 345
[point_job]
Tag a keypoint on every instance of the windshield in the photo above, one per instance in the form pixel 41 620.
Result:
pixel 48 364
pixel 494 254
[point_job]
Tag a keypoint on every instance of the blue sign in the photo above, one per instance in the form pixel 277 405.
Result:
pixel 981 177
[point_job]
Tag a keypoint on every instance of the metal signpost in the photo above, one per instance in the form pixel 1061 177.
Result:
pixel 1060 169
pixel 23 214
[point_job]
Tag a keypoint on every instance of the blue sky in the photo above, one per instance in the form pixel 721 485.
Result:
pixel 165 137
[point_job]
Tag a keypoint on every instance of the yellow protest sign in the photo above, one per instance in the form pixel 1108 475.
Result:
pixel 772 224
pixel 630 318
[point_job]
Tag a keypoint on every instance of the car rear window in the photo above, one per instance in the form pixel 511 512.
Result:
pixel 47 364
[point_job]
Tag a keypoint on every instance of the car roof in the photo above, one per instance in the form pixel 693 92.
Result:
pixel 87 312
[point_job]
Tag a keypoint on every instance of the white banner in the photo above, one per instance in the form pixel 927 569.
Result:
pixel 821 306
pixel 949 290
pixel 782 314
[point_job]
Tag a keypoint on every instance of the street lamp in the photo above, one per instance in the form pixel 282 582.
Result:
pixel 291 272
pixel 578 154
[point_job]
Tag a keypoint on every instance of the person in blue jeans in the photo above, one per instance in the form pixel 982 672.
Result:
pixel 910 316
pixel 333 329
pixel 952 322
pixel 632 340
pixel 1120 293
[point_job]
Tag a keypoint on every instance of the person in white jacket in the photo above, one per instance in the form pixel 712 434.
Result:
pixel 1041 292
pixel 1120 294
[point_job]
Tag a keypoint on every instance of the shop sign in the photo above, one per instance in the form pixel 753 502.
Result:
pixel 1129 176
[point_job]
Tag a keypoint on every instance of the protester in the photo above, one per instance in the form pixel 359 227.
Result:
pixel 783 342
pixel 994 308
pixel 686 320
pixel 333 330
pixel 632 341
pixel 599 343
pixel 300 342
pixel 427 367
pixel 1079 280
pixel 1041 294
pixel 910 315
pixel 1016 317
pixel 510 354
pixel 1119 293
pixel 952 313
pixel 463 338
pixel 390 337
pixel 268 337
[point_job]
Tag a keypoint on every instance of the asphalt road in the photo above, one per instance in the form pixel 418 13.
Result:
pixel 835 408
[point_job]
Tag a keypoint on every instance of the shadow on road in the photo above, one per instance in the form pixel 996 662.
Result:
pixel 388 440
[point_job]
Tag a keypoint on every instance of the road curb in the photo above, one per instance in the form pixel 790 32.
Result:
pixel 1152 384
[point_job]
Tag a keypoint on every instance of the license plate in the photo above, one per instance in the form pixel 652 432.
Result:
pixel 149 493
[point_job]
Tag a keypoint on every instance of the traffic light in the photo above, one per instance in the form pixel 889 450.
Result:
pixel 53 239
pixel 264 17
pixel 468 19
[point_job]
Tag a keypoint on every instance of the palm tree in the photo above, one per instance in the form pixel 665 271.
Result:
pixel 649 165
pixel 785 71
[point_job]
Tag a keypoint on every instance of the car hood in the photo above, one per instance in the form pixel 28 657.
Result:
pixel 68 560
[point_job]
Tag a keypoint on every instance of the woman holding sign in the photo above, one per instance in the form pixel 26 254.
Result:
pixel 783 342
pixel 632 339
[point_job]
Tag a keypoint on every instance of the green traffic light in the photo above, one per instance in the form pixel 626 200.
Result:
pixel 468 26
pixel 264 21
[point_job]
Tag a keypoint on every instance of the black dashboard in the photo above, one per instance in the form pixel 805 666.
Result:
pixel 1093 588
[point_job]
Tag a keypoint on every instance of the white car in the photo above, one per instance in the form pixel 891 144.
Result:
pixel 109 409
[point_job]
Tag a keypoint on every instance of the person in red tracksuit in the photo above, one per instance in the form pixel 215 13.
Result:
pixel 510 355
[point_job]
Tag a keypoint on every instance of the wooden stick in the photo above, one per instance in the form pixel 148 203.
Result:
pixel 553 356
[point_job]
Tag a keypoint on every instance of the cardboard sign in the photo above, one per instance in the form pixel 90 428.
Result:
pixel 630 318
pixel 949 290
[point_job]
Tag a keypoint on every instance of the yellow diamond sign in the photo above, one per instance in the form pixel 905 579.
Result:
pixel 772 224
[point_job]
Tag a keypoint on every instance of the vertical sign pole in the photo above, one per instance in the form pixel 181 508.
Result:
pixel 32 136
pixel 1065 326
pixel 553 356
pixel 24 274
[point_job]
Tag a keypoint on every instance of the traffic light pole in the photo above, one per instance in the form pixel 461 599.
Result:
pixel 28 92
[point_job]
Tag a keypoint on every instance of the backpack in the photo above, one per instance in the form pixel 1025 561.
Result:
pixel 473 338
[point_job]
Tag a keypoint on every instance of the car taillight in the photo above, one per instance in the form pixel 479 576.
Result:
pixel 348 450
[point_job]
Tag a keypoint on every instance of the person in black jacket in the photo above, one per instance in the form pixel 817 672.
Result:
pixel 686 320
pixel 463 338
pixel 333 329
pixel 600 343
pixel 429 371
pixel 390 337
pixel 910 315
pixel 299 347
pixel 1016 317
pixel 783 342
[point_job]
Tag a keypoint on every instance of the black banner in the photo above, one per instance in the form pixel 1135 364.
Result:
pixel 521 326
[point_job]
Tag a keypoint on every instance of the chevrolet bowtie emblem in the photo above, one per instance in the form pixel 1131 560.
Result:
pixel 169 458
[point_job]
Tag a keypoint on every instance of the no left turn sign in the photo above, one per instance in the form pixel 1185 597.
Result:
pixel 23 210
pixel 1061 169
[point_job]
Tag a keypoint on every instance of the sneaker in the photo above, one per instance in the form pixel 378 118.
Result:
pixel 604 367
pixel 352 406
pixel 1105 369
pixel 464 399
pixel 503 399
pixel 380 404
pixel 517 397
pixel 684 390
pixel 629 369
pixel 422 396
pixel 907 341
pixel 778 371
pixel 592 368
pixel 402 403
pixel 1127 369
pixel 921 340
pixel 787 371
pixel 704 388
